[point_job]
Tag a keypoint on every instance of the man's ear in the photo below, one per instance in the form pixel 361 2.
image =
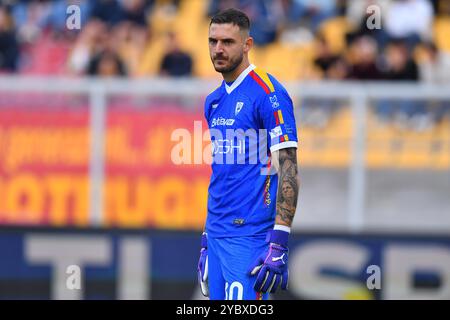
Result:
pixel 248 44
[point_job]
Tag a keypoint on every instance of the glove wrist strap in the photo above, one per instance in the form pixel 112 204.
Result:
pixel 279 237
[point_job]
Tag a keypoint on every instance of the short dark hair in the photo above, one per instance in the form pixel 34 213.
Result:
pixel 233 16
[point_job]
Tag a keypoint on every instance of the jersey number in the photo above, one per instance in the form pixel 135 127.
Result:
pixel 235 291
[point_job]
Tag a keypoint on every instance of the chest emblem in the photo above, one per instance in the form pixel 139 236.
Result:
pixel 238 108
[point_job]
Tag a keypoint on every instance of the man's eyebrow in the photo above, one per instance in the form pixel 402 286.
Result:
pixel 225 39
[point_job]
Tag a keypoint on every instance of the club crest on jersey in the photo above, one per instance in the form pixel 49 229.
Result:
pixel 239 106
pixel 274 101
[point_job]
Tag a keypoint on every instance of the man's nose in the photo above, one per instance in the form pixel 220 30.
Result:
pixel 219 47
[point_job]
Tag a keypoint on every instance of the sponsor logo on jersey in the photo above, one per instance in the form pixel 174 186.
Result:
pixel 225 146
pixel 221 122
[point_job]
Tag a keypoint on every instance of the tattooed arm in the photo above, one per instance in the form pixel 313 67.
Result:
pixel 285 162
pixel 271 268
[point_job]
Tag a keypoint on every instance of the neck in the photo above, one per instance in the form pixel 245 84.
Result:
pixel 231 76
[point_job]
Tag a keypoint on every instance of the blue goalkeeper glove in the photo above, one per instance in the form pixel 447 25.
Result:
pixel 202 268
pixel 271 268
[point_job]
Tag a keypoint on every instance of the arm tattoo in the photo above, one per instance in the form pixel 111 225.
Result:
pixel 288 186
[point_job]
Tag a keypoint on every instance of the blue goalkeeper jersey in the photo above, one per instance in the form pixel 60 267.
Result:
pixel 248 119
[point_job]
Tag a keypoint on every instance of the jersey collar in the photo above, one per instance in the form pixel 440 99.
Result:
pixel 239 79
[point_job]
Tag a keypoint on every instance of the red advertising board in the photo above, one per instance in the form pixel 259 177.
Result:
pixel 44 165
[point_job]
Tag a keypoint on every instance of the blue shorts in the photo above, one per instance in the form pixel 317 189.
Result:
pixel 229 260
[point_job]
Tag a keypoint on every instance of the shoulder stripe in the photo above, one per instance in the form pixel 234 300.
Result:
pixel 277 120
pixel 280 116
pixel 259 81
pixel 265 77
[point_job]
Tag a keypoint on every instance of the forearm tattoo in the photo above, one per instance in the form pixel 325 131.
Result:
pixel 288 186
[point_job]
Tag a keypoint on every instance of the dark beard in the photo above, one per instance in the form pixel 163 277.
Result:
pixel 233 67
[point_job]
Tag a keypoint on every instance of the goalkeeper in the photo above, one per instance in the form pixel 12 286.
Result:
pixel 251 204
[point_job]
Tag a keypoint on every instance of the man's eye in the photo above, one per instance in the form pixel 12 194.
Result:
pixel 212 41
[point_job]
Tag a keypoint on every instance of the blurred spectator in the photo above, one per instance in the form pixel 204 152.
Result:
pixel 135 11
pixel 399 66
pixel 106 64
pixel 318 112
pixel 92 40
pixel 113 12
pixel 398 63
pixel 9 49
pixel 324 56
pixel 363 54
pixel 130 41
pixel 435 5
pixel 265 17
pixel 443 7
pixel 175 62
pixel 171 3
pixel 338 69
pixel 411 20
pixel 215 6
pixel 315 10
pixel 31 18
pixel 108 11
pixel 434 67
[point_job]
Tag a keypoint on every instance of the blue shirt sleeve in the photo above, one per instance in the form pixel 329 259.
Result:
pixel 277 115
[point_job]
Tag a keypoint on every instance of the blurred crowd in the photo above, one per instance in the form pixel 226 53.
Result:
pixel 116 36
pixel 115 33
pixel 111 41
